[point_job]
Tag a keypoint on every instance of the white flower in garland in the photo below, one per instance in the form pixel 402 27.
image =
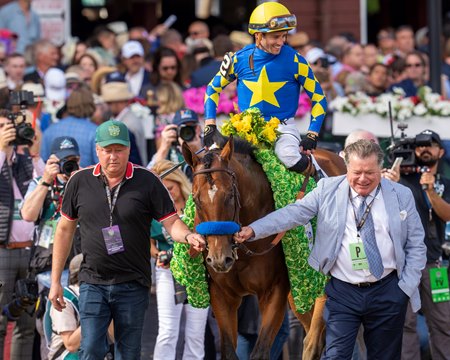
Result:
pixel 420 110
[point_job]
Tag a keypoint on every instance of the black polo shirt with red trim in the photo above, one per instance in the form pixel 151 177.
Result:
pixel 142 197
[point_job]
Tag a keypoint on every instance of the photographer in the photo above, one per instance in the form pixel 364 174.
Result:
pixel 41 206
pixel 17 170
pixel 185 127
pixel 432 197
pixel 320 64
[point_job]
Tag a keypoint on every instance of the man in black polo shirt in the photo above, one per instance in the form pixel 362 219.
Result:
pixel 432 197
pixel 115 202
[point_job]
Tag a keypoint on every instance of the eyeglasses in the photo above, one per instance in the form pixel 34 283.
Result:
pixel 417 65
pixel 276 23
pixel 194 33
pixel 166 68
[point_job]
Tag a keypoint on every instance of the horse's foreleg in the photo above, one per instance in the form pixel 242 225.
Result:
pixel 306 318
pixel 225 311
pixel 273 308
pixel 314 325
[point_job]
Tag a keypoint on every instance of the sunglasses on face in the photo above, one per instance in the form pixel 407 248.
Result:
pixel 417 65
pixel 195 33
pixel 276 23
pixel 166 68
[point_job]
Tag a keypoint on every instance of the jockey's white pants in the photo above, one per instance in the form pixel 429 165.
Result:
pixel 169 318
pixel 287 147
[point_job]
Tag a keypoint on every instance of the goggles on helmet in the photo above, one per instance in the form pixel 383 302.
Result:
pixel 275 23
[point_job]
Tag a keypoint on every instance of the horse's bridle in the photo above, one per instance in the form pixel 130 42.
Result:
pixel 237 203
pixel 237 207
pixel 235 193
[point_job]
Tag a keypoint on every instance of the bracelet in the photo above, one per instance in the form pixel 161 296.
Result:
pixel 186 237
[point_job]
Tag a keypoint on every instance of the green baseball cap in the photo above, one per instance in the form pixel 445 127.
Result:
pixel 112 132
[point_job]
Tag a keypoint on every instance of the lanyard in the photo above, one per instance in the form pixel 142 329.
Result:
pixel 112 202
pixel 363 219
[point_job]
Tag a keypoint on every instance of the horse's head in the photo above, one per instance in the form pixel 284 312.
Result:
pixel 216 198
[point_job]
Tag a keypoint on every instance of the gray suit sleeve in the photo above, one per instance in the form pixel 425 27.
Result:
pixel 415 249
pixel 292 215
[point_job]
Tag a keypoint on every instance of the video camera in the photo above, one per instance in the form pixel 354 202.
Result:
pixel 405 148
pixel 24 131
pixel 26 294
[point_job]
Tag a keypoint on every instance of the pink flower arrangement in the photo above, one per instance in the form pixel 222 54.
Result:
pixel 194 98
pixel 304 105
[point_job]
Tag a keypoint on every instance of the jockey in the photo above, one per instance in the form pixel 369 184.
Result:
pixel 269 76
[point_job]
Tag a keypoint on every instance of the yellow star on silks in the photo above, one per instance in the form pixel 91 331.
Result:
pixel 264 89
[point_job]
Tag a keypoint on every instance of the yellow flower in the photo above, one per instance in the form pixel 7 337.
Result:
pixel 247 123
pixel 238 126
pixel 274 122
pixel 269 134
pixel 227 128
pixel 251 138
pixel 235 118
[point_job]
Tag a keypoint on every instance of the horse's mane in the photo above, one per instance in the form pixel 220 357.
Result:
pixel 240 147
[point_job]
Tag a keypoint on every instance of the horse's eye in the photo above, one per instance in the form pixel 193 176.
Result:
pixel 229 197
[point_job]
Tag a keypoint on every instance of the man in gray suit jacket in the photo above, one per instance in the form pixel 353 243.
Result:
pixel 370 240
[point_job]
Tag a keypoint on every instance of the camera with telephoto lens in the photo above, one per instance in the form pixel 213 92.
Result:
pixel 405 148
pixel 26 294
pixel 67 167
pixel 24 131
pixel 165 257
pixel 186 132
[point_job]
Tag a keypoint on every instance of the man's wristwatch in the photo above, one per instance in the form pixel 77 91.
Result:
pixel 43 183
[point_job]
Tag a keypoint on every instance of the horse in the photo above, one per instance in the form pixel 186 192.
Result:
pixel 230 185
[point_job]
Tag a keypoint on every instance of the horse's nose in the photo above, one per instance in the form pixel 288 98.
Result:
pixel 221 264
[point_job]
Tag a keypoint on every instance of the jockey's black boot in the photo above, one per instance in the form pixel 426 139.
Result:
pixel 302 166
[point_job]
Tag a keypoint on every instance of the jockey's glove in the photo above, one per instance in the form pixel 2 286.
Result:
pixel 208 135
pixel 309 142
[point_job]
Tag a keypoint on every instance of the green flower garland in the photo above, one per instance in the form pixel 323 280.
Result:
pixel 306 283
pixel 190 272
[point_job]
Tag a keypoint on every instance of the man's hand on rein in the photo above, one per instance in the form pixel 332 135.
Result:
pixel 196 241
pixel 243 235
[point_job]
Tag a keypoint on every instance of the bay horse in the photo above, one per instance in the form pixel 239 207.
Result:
pixel 230 185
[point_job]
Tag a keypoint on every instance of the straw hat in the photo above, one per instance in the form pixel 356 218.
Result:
pixel 116 91
pixel 98 76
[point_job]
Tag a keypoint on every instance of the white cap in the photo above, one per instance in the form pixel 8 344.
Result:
pixel 131 48
pixel 36 88
pixel 314 54
pixel 55 85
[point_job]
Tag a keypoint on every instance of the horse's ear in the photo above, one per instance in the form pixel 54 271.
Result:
pixel 228 149
pixel 191 158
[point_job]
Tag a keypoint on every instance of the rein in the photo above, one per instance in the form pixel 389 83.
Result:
pixel 277 239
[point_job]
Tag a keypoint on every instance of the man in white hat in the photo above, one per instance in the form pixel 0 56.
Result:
pixel 117 96
pixel 136 76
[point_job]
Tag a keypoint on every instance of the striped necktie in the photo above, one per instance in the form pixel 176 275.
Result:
pixel 370 243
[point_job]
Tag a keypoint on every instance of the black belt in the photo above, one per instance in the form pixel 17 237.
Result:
pixel 369 284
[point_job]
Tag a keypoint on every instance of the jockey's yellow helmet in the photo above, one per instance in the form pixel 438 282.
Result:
pixel 270 17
